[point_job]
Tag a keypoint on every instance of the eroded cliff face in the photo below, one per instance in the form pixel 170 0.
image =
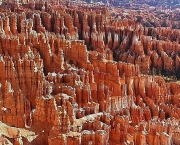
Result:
pixel 59 77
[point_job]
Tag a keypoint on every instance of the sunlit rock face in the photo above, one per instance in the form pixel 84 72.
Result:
pixel 75 74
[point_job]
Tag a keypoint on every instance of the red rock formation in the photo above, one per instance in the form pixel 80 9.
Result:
pixel 59 78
